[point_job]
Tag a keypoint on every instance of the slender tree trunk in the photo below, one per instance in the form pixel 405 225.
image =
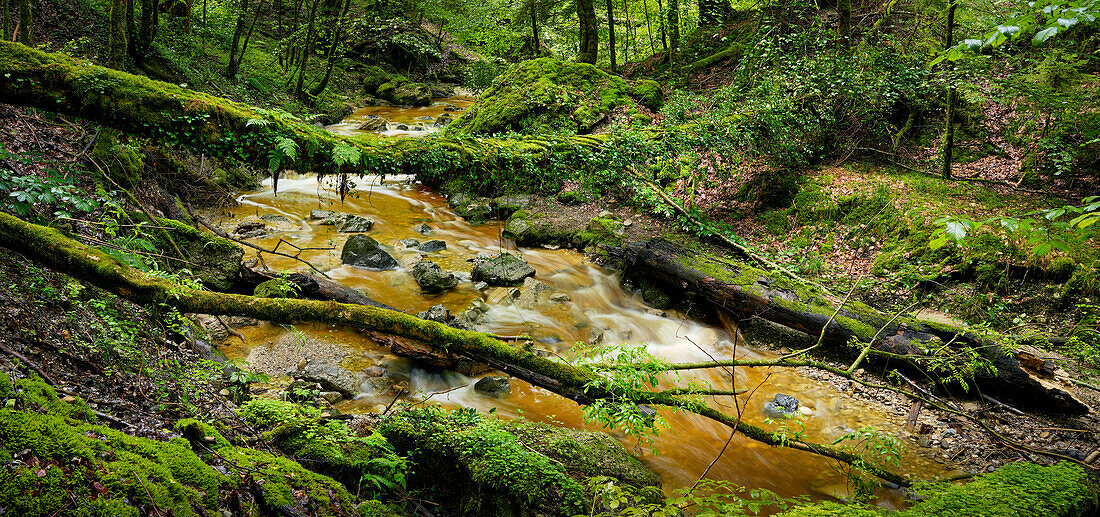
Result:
pixel 145 30
pixel 589 32
pixel 5 19
pixel 116 53
pixel 611 33
pixel 204 27
pixel 649 27
pixel 251 29
pixel 536 46
pixel 674 30
pixel 628 37
pixel 662 22
pixel 952 94
pixel 330 56
pixel 844 25
pixel 299 89
pixel 25 22
pixel 131 34
pixel 234 47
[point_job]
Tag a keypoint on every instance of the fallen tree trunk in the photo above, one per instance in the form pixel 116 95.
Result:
pixel 748 292
pixel 580 384
pixel 311 286
pixel 219 127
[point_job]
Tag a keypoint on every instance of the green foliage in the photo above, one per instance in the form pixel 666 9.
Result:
pixel 544 96
pixel 329 446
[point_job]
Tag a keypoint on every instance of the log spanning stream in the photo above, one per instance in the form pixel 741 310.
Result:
pixel 597 307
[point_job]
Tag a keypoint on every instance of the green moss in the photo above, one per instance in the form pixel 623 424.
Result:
pixel 649 94
pixel 496 467
pixel 545 96
pixel 276 288
pixel 1062 490
pixel 602 231
pixel 573 197
pixel 213 260
pixel 124 163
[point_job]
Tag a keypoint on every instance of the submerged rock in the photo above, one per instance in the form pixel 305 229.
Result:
pixel 412 94
pixel 250 224
pixel 350 223
pixel 503 270
pixel 320 215
pixel 363 251
pixel 330 377
pixel 431 278
pixel 423 229
pixel 781 406
pixel 432 246
pixel 493 385
pixel 409 243
pixel 374 124
pixel 436 313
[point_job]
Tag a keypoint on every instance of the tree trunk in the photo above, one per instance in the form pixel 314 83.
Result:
pixel 5 20
pixel 145 30
pixel 745 292
pixel 611 33
pixel 330 56
pixel 131 29
pixel 25 22
pixel 952 94
pixel 307 48
pixel 649 27
pixel 844 24
pixel 589 32
pixel 116 53
pixel 661 20
pixel 674 30
pixel 248 35
pixel 234 47
pixel 536 45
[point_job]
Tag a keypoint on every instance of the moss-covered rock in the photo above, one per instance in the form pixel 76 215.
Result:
pixel 412 94
pixel 213 260
pixel 545 95
pixel 276 288
pixel 497 467
pixel 533 229
pixel 1062 490
pixel 649 94
pixel 602 231
pixel 123 162
pixel 71 467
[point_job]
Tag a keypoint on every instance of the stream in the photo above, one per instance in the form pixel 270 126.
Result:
pixel 597 307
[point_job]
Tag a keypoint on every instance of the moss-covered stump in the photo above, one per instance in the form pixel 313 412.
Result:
pixel 60 465
pixel 547 96
pixel 1062 490
pixel 496 467
pixel 211 259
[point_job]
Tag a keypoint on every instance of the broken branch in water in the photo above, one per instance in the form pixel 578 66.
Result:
pixel 296 256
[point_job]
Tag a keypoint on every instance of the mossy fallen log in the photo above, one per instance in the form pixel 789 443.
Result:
pixel 748 292
pixel 51 248
pixel 173 114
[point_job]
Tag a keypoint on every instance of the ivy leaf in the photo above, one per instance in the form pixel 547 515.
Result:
pixel 1043 35
pixel 956 230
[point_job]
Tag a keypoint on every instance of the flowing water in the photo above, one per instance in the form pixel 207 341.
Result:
pixel 418 121
pixel 598 305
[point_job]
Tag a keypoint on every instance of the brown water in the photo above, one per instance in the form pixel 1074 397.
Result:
pixel 598 302
pixel 420 121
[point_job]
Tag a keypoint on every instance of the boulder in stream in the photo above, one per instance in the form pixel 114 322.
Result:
pixel 320 215
pixel 444 120
pixel 475 210
pixel 409 243
pixel 423 229
pixel 494 386
pixel 412 94
pixel 432 246
pixel 351 223
pixel 431 278
pixel 781 406
pixel 503 270
pixel 330 377
pixel 363 251
pixel 374 124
